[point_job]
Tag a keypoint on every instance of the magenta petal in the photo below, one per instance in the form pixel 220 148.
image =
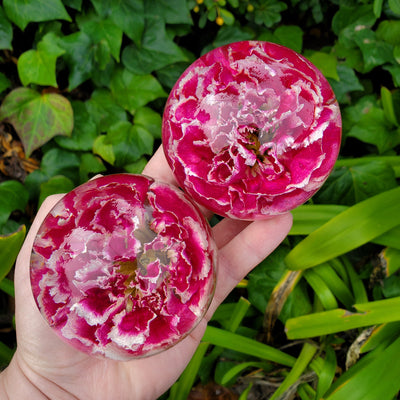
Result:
pixel 123 266
pixel 251 129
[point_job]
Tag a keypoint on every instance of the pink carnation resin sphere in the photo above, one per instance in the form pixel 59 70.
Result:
pixel 251 129
pixel 123 266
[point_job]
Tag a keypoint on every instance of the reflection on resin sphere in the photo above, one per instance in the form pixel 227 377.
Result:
pixel 251 129
pixel 123 266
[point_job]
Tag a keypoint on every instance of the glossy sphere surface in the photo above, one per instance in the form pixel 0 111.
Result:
pixel 251 129
pixel 123 266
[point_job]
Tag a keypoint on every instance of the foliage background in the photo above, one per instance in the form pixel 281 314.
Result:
pixel 82 89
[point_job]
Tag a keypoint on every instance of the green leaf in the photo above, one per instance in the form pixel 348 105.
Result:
pixel 348 82
pixel 126 14
pixel 290 36
pixel 10 246
pixel 89 166
pixel 321 289
pixel 75 4
pixel 104 110
pixel 4 83
pixel 388 106
pixel 378 8
pixel 339 320
pixel 99 29
pixel 55 185
pixel 84 132
pixel 375 129
pixel 6 354
pixel 39 66
pixel 157 50
pixel 134 91
pixel 394 5
pixel 389 31
pixel 233 341
pixel 36 117
pixel 268 12
pixel 21 12
pixel 13 196
pixel 137 167
pixel 350 229
pixel 60 162
pixel 326 63
pixel 327 374
pixel 391 258
pixel 150 120
pixel 385 333
pixel 377 379
pixel 171 11
pixel 6 31
pixel 104 149
pixel 350 185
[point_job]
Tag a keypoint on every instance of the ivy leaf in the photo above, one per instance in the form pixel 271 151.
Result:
pixel 4 82
pixel 104 110
pixel 326 63
pixel 127 14
pixel 350 185
pixel 389 31
pixel 133 91
pixel 89 166
pixel 290 36
pixel 84 132
pixel 149 120
pixel 75 4
pixel 13 196
pixel 36 117
pixel 21 12
pixel 374 128
pixel 99 29
pixel 39 66
pixel 268 12
pixel 55 185
pixel 157 50
pixel 348 82
pixel 6 32
pixel 172 11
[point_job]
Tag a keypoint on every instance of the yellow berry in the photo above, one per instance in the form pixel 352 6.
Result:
pixel 250 7
pixel 199 1
pixel 196 9
pixel 219 21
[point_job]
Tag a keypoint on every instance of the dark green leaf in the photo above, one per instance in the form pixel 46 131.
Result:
pixel 36 117
pixel 229 34
pixel 136 167
pixel 375 129
pixel 21 12
pixel 157 50
pixel 104 110
pixel 172 11
pixel 348 82
pixel 389 31
pixel 269 12
pixel 89 166
pixel 395 6
pixel 6 32
pixel 10 246
pixel 13 196
pixel 4 83
pixel 75 4
pixel 60 162
pixel 39 66
pixel 350 185
pixel 84 132
pixel 168 75
pixel 99 29
pixel 126 14
pixel 55 185
pixel 134 91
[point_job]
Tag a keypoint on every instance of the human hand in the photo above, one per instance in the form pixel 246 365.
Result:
pixel 46 367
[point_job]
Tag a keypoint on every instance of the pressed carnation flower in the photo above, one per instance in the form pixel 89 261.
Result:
pixel 251 129
pixel 123 266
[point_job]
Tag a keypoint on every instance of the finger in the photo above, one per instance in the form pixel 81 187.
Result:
pixel 245 251
pixel 227 229
pixel 159 169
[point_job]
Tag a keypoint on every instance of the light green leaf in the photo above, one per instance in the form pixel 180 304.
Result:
pixel 55 185
pixel 36 117
pixel 388 107
pixel 290 36
pixel 104 149
pixel 21 12
pixel 10 246
pixel 389 31
pixel 391 258
pixel 39 66
pixel 378 8
pixel 133 91
pixel 350 229
pixel 149 120
pixel 326 63
pixel 6 31
pixel 395 6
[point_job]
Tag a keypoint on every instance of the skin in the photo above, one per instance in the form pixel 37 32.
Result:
pixel 44 367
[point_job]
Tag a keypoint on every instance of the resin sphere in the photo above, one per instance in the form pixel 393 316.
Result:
pixel 123 266
pixel 251 129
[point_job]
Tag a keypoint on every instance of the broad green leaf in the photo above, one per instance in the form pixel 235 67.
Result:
pixel 377 379
pixel 58 161
pixel 36 117
pixel 348 82
pixel 374 128
pixel 227 16
pixel 79 56
pixel 326 63
pixel 39 66
pixel 89 166
pixel 21 12
pixel 10 246
pixel 84 132
pixel 389 31
pixel 55 185
pixel 134 91
pixel 228 34
pixel 99 29
pixel 126 14
pixel 168 75
pixel 149 120
pixel 129 142
pixel 157 50
pixel 350 229
pixel 75 4
pixel 7 286
pixel 171 11
pixel 290 36
pixel 13 196
pixel 104 110
pixel 269 12
pixel 137 167
pixel 6 31
pixel 4 83
pixel 350 185
pixel 395 6
pixel 233 341
pixel 339 320
pixel 104 149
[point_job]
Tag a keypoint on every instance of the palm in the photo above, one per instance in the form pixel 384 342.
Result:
pixel 41 353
